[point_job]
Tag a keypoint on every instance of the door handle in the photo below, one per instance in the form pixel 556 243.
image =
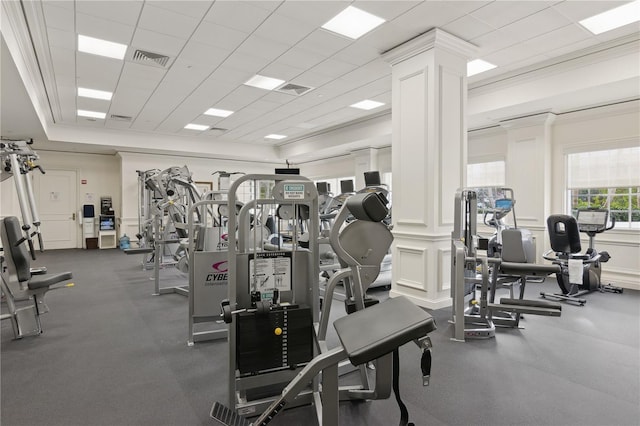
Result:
pixel 73 216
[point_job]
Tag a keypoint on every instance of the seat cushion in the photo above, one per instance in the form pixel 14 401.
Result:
pixel 379 329
pixel 41 281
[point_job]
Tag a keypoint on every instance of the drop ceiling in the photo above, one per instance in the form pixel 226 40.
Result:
pixel 213 47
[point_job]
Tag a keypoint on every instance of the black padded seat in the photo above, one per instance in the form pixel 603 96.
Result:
pixel 530 269
pixel 43 281
pixel 379 329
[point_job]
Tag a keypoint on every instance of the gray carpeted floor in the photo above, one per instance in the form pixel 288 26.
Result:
pixel 113 354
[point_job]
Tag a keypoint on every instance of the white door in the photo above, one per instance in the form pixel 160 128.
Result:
pixel 55 194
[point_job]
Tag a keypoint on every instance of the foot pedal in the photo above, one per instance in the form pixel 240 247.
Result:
pixel 227 416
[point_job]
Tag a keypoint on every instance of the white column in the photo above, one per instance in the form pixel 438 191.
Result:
pixel 528 170
pixel 429 150
pixel 365 160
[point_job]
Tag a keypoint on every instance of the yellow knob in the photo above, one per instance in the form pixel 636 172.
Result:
pixel 474 302
pixel 277 331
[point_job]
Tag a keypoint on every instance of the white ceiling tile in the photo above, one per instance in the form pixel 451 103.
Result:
pixel 534 25
pixel 167 22
pixel 284 30
pixel 101 28
pixel 241 61
pixel 157 43
pixel 124 12
pixel 387 36
pixel 64 64
pixel 138 76
pixel 202 54
pixel 427 15
pixel 196 9
pixel 218 35
pixel 369 72
pixel 262 48
pixel 286 72
pixel 315 13
pixel 239 15
pixel 357 54
pixel 510 55
pixel 300 58
pixel 58 17
pixel 313 79
pixel 324 43
pixel 280 98
pixel 561 37
pixel 467 27
pixel 469 6
pixel 66 4
pixel 129 101
pixel 61 38
pixel 333 68
pixel 97 72
pixel 579 10
pixel 387 10
pixel 501 13
pixel 491 42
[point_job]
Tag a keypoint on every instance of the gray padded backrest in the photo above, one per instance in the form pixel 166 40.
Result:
pixel 517 246
pixel 16 255
pixel 369 206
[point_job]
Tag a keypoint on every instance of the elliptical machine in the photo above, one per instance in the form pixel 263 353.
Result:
pixel 562 228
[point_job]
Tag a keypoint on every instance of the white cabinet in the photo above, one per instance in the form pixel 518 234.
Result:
pixel 107 239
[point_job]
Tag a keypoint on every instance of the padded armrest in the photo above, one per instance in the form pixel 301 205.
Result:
pixel 528 268
pixel 42 281
pixel 379 329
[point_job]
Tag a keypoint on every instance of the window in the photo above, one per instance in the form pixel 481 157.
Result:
pixel 486 174
pixel 606 179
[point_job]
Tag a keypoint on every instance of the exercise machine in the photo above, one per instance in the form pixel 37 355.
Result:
pixel 476 317
pixel 277 358
pixel 580 272
pixel 24 290
pixel 18 159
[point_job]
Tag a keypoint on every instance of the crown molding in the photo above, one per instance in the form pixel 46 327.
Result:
pixel 15 32
pixel 599 53
pixel 434 38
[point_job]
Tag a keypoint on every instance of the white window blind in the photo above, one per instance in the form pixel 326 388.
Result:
pixel 604 169
pixel 486 174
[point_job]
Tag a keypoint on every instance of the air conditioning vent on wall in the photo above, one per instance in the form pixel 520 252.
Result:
pixel 150 58
pixel 120 117
pixel 293 89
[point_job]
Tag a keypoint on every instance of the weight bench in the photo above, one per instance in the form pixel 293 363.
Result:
pixel 365 335
pixel 32 287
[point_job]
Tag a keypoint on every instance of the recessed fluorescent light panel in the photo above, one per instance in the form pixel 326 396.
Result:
pixel 100 47
pixel 353 22
pixel 274 136
pixel 94 94
pixel 91 114
pixel 613 18
pixel 218 112
pixel 477 66
pixel 262 82
pixel 199 127
pixel 367 104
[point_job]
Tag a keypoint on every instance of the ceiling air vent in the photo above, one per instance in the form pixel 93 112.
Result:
pixel 293 89
pixel 120 117
pixel 217 130
pixel 150 58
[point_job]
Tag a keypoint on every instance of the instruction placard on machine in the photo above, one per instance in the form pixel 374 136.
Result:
pixel 293 191
pixel 269 271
